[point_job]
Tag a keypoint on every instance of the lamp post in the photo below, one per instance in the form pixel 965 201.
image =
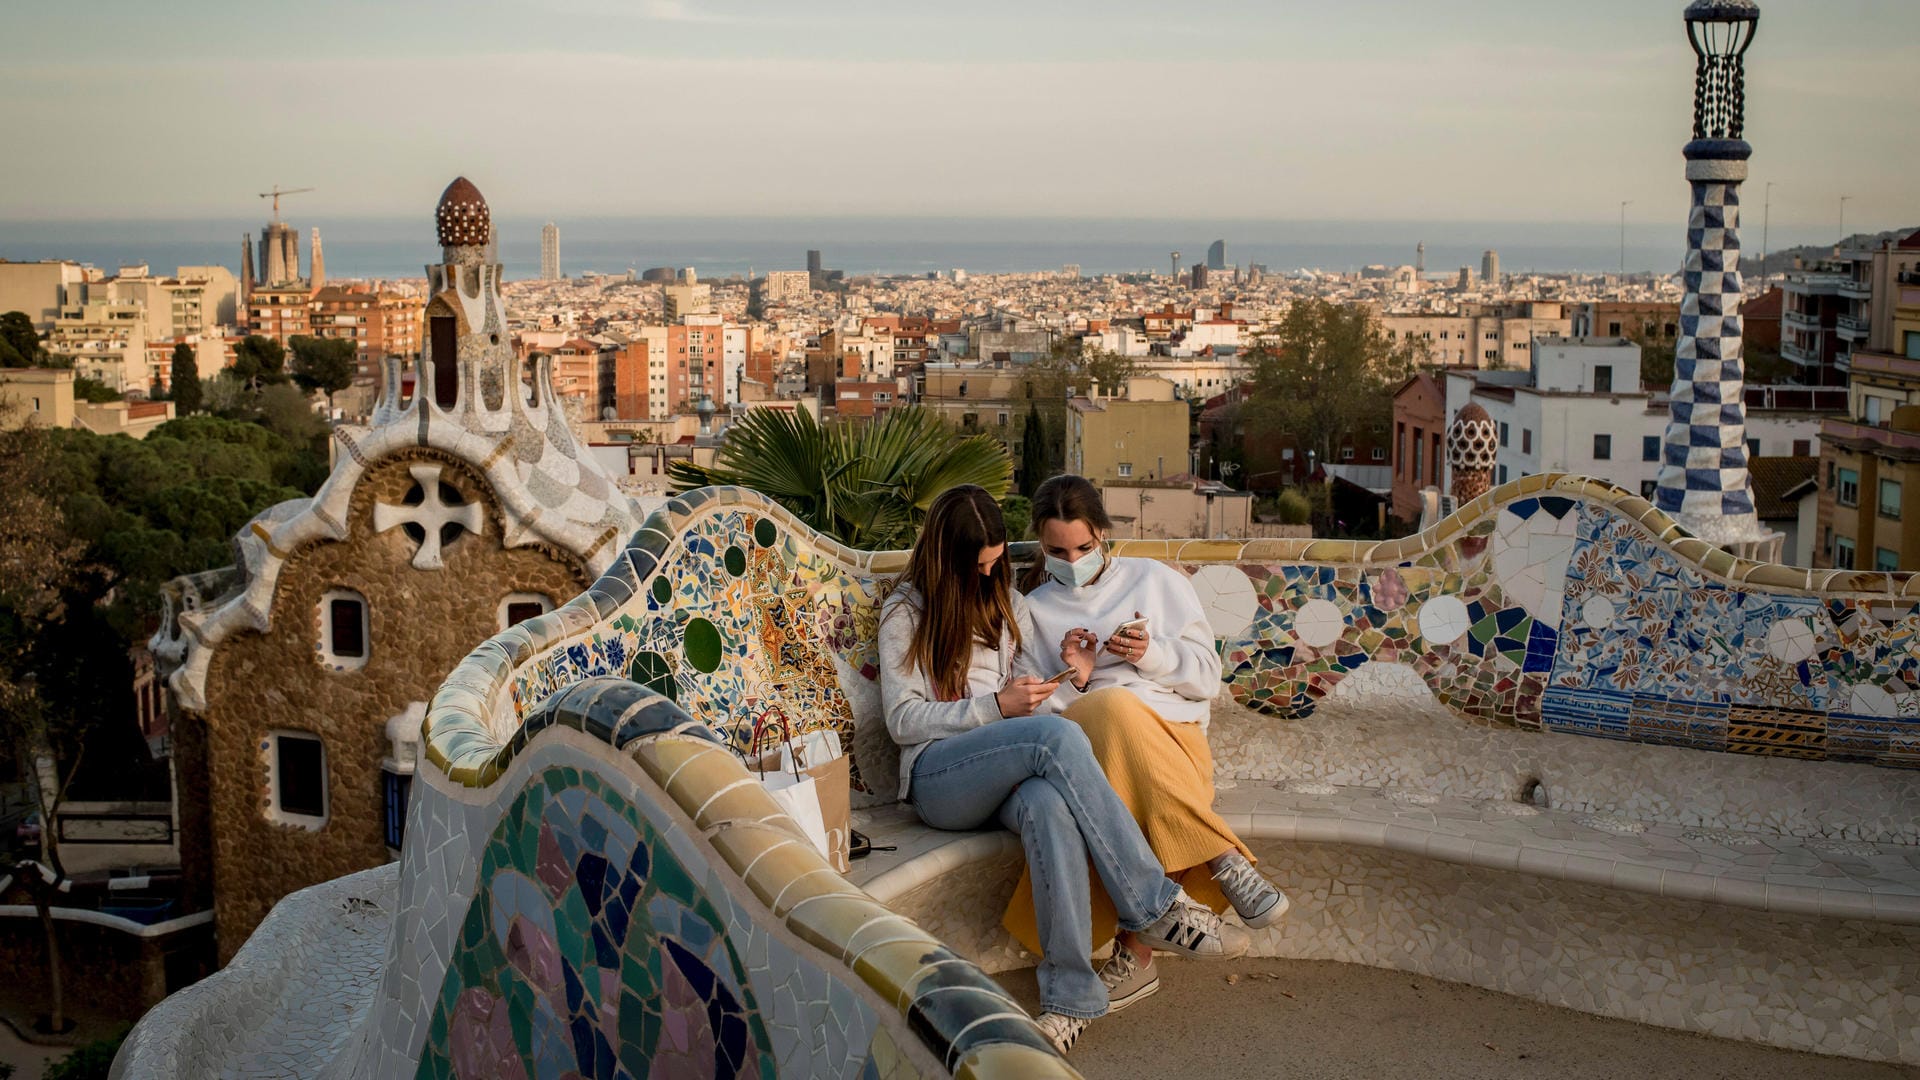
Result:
pixel 1703 481
pixel 1766 223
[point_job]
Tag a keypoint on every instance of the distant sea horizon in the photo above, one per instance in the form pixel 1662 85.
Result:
pixel 399 247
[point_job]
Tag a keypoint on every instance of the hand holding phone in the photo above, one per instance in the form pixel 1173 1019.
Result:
pixel 1129 640
pixel 1067 672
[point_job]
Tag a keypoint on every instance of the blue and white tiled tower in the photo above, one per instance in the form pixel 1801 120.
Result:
pixel 1703 481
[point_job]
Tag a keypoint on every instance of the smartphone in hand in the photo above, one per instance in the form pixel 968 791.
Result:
pixel 1065 673
pixel 1131 624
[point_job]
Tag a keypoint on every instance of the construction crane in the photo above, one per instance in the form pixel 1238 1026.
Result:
pixel 275 196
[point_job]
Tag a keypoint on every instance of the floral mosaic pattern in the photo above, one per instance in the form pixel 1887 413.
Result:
pixel 1550 612
pixel 589 951
pixel 1563 615
pixel 741 624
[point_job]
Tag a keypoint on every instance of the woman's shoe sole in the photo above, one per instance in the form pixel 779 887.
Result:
pixel 1116 1004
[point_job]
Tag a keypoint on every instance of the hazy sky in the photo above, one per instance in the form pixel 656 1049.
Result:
pixel 1465 110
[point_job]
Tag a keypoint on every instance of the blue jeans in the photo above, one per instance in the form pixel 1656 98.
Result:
pixel 1037 775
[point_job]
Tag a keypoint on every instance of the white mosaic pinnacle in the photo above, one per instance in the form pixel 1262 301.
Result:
pixel 431 514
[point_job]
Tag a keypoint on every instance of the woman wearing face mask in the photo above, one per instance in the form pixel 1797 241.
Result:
pixel 962 675
pixel 1146 670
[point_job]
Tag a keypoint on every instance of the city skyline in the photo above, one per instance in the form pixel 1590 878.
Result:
pixel 1475 112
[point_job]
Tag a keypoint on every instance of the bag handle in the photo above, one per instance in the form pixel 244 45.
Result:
pixel 786 728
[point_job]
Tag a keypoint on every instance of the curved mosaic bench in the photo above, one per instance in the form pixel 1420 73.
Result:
pixel 1551 605
pixel 1388 704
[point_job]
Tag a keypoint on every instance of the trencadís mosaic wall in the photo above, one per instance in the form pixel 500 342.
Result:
pixel 1554 603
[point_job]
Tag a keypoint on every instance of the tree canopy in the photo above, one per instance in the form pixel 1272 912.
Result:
pixel 866 484
pixel 22 340
pixel 324 364
pixel 1327 371
pixel 259 361
pixel 184 381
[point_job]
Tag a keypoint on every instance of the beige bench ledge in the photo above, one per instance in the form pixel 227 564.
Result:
pixel 1763 871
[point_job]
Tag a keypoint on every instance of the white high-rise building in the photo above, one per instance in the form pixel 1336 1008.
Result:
pixel 550 252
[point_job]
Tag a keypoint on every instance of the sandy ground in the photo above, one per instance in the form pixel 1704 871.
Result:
pixel 1324 1020
pixel 27 1058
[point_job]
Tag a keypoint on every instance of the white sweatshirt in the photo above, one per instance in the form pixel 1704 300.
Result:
pixel 1180 672
pixel 916 717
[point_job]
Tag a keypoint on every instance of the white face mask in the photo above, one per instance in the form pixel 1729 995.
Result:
pixel 1078 572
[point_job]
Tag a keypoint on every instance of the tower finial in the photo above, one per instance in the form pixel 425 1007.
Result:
pixel 1720 31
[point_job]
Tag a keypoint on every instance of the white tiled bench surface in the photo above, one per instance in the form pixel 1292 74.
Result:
pixel 1836 878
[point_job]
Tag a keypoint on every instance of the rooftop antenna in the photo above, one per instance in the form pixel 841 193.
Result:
pixel 275 196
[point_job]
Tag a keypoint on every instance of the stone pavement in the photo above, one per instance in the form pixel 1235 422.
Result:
pixel 1299 1019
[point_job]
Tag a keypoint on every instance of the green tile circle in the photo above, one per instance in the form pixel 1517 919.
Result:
pixel 661 590
pixel 764 533
pixel 736 561
pixel 702 645
pixel 654 672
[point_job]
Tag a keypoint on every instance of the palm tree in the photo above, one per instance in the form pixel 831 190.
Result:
pixel 868 485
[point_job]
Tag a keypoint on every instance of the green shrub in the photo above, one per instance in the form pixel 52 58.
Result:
pixel 91 1061
pixel 1293 508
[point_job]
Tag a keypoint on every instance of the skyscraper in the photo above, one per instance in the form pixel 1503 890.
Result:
pixel 1420 257
pixel 1176 268
pixel 318 276
pixel 1217 255
pixel 813 260
pixel 1490 268
pixel 550 252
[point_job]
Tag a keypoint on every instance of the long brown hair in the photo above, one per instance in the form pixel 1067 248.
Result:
pixel 959 606
pixel 1063 498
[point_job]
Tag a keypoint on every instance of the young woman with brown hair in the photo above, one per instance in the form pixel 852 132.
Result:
pixel 961 681
pixel 1138 626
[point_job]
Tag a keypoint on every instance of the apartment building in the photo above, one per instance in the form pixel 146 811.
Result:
pixel 380 324
pixel 1579 408
pixel 1491 336
pixel 195 300
pixel 685 299
pixel 281 312
pixel 107 341
pixel 577 367
pixel 41 289
pixel 1419 442
pixel 1139 433
pixel 44 397
pixel 1870 461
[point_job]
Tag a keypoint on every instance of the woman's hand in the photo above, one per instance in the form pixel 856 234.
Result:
pixel 1131 643
pixel 1077 650
pixel 1022 696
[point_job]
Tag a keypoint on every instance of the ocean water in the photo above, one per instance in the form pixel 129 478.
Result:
pixel 724 247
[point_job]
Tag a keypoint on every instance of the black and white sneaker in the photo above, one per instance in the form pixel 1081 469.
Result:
pixel 1061 1030
pixel 1191 929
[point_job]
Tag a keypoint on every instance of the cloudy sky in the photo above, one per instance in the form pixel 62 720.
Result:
pixel 1468 110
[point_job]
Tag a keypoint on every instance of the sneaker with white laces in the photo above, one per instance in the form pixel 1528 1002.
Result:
pixel 1128 979
pixel 1061 1030
pixel 1250 893
pixel 1191 929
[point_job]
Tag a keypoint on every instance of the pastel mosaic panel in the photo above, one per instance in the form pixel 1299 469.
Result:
pixel 589 949
pixel 1563 614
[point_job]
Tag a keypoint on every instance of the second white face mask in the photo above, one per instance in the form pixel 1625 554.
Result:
pixel 1078 572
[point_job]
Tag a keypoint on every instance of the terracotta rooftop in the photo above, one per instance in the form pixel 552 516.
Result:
pixel 1773 477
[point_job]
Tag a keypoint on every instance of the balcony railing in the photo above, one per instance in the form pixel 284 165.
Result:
pixel 1851 327
pixel 1855 289
pixel 1802 319
pixel 1795 354
pixel 1880 436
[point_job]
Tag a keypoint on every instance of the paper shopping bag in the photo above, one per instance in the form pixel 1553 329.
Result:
pixel 798 797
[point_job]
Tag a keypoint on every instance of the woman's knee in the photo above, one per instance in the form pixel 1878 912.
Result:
pixel 1037 804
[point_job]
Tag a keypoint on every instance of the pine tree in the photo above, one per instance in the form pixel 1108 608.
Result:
pixel 1033 452
pixel 185 381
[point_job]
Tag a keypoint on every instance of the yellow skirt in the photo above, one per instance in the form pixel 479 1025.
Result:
pixel 1163 772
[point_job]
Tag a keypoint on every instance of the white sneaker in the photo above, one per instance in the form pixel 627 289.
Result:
pixel 1127 979
pixel 1252 895
pixel 1191 929
pixel 1061 1030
